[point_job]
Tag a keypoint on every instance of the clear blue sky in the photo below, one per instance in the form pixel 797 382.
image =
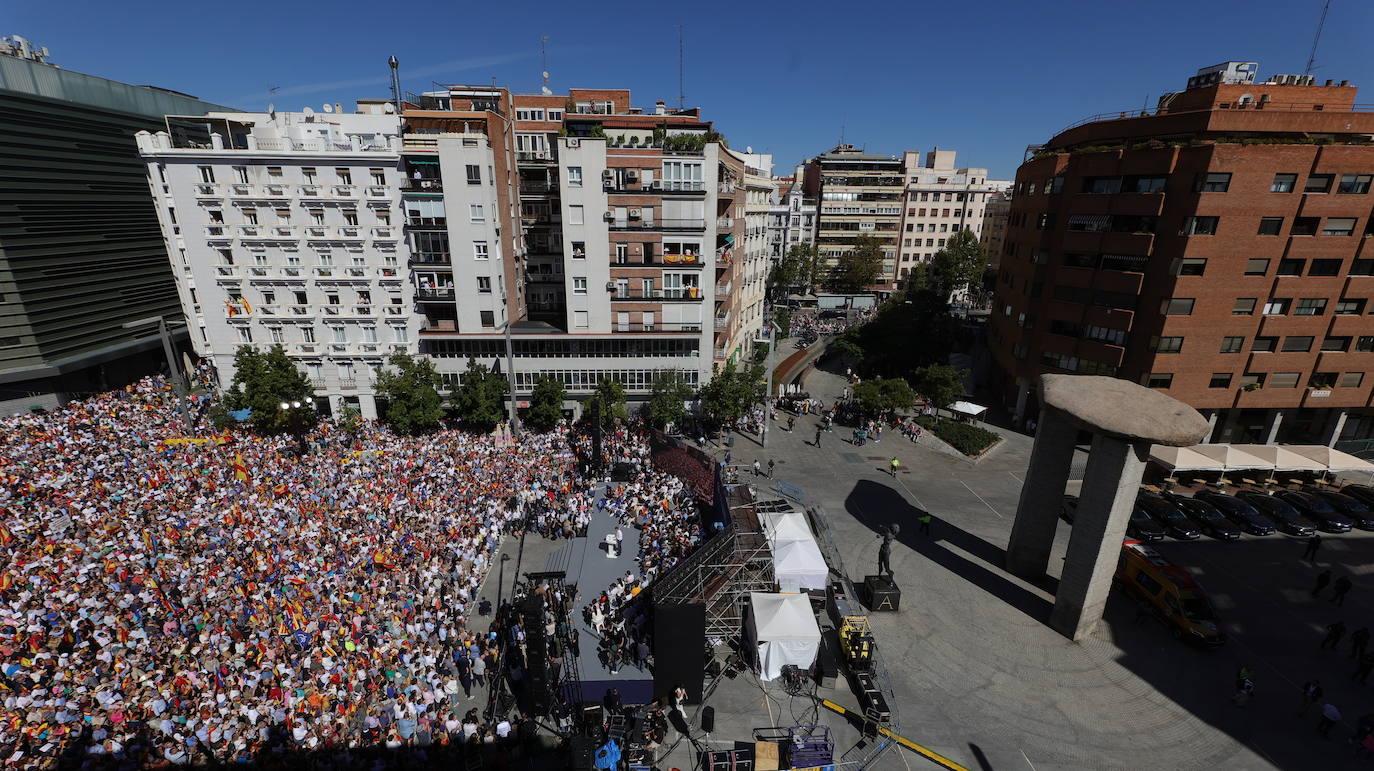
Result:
pixel 984 78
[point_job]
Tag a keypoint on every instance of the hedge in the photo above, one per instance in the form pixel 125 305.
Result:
pixel 964 437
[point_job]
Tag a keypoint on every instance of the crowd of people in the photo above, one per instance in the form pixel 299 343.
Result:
pixel 171 599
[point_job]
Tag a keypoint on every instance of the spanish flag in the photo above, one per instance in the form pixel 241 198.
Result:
pixel 230 308
pixel 246 307
pixel 6 537
pixel 240 470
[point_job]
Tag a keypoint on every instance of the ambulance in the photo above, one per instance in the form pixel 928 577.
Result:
pixel 1171 593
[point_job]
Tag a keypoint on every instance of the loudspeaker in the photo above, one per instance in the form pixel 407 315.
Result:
pixel 708 719
pixel 827 662
pixel 580 752
pixel 679 649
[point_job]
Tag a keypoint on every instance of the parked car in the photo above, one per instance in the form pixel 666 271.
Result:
pixel 1317 510
pixel 1068 508
pixel 1143 527
pixel 1360 513
pixel 1285 517
pixel 1167 514
pixel 1363 493
pixel 1238 511
pixel 1212 522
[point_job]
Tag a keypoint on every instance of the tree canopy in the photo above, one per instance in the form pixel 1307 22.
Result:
pixel 909 331
pixel 479 399
pixel 942 384
pixel 879 395
pixel 731 392
pixel 411 390
pixel 956 266
pixel 858 268
pixel 667 400
pixel 262 382
pixel 796 271
pixel 546 404
pixel 609 397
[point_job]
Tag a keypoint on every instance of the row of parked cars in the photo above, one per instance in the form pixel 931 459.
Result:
pixel 1225 516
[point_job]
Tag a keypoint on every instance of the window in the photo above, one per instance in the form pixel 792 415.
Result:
pixel 1144 184
pixel 1305 226
pixel 1321 379
pixel 1256 266
pixel 1362 267
pixel 1289 267
pixel 241 175
pixel 1178 306
pixel 369 334
pixel 474 174
pixel 1232 344
pixel 1090 223
pixel 1318 183
pixel 1102 185
pixel 207 174
pixel 574 176
pixel 1159 380
pixel 484 284
pixel 245 334
pixel 1213 182
pixel 1265 345
pixel 1284 379
pixel 308 174
pixel 1199 226
pixel 1252 379
pixel 350 218
pixel 344 175
pixel 250 216
pixel 400 334
pixel 579 250
pixel 1349 307
pixel 340 334
pixel 479 250
pixel 317 216
pixel 1283 183
pixel 1335 344
pixel 580 319
pixel 277 335
pixel 1270 226
pixel 1220 380
pixel 1339 226
pixel 1364 343
pixel 487 318
pixel 1310 306
pixel 579 285
pixel 1192 266
pixel 575 214
pixel 1325 268
pixel 1355 183
pixel 1297 344
pixel 378 176
pixel 1168 344
pixel 1352 379
pixel 1277 306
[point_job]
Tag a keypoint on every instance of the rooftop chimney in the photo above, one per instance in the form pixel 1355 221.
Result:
pixel 660 107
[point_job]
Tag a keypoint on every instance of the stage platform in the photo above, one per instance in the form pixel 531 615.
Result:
pixel 585 563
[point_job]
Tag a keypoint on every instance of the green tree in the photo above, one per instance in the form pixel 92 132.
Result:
pixel 350 420
pixel 667 400
pixel 546 404
pixel 262 382
pixel 868 395
pixel 731 393
pixel 956 266
pixel 909 331
pixel 411 391
pixel 795 271
pixel 609 397
pixel 941 384
pixel 898 395
pixel 858 268
pixel 480 398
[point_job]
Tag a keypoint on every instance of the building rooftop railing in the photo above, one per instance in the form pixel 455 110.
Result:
pixel 1256 106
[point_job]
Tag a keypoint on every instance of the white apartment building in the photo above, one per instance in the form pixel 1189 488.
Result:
pixel 940 200
pixel 759 192
pixel 285 229
pixel 801 214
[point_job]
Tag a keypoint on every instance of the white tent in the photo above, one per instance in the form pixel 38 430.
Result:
pixel 968 408
pixel 799 565
pixel 1234 457
pixel 1183 459
pixel 784 631
pixel 786 526
pixel 1280 458
pixel 1333 459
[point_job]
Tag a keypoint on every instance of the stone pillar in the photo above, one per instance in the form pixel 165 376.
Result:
pixel 1037 514
pixel 1271 432
pixel 1337 426
pixel 1022 392
pixel 1104 508
pixel 1212 425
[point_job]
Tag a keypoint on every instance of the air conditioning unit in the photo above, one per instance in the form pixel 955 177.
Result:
pixel 607 175
pixel 656 185
pixel 608 216
pixel 635 213
pixel 574 142
pixel 632 175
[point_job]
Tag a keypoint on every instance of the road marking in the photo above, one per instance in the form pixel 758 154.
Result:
pixel 979 497
pixel 1027 757
pixel 1019 479
pixel 913 494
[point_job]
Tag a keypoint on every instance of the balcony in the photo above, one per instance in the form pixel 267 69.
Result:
pixel 424 185
pixel 725 223
pixel 332 310
pixel 366 311
pixel 229 271
pixel 207 190
pixel 659 261
pixel 309 348
pixel 293 272
pixel 663 225
pixel 302 311
pixel 540 219
pixel 434 295
pixel 545 278
pixel 683 294
pixel 389 274
pixel 217 233
pixel 432 258
pixel 250 230
pixel 284 231
pixel 343 191
pixel 534 156
pixel 324 272
pixel 267 310
pixel 656 187
pixel 394 310
pixel 355 272
pixel 259 271
pixel 384 233
pixel 311 191
pixel 345 383
pixel 276 191
pixel 317 231
pixel 377 191
pixel 724 291
pixel 723 322
pixel 350 232
pixel 660 328
pixel 537 188
pixel 241 190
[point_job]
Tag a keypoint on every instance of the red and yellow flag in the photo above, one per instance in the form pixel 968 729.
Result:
pixel 240 470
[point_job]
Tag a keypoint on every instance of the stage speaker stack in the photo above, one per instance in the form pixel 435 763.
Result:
pixel 679 649
pixel 708 719
pixel 537 656
pixel 827 661
pixel 581 751
pixel 883 594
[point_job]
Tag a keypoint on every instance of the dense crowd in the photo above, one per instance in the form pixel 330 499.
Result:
pixel 226 599
pixel 808 325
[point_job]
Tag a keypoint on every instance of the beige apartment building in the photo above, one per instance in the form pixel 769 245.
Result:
pixel 940 200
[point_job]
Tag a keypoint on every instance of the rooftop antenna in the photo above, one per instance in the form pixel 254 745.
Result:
pixel 544 59
pixel 843 118
pixel 395 64
pixel 680 98
pixel 1312 57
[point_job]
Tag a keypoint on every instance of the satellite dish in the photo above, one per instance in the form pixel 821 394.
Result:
pixel 327 107
pixel 545 73
pixel 545 91
pixel 271 109
pixel 307 111
pixel 749 149
pixel 388 108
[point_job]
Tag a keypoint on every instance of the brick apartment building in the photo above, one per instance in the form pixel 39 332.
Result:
pixel 1217 247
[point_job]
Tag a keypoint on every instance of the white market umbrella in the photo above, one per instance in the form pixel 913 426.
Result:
pixel 1183 459
pixel 1233 457
pixel 1333 459
pixel 1281 458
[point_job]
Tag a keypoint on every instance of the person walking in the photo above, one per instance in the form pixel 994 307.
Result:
pixel 1323 578
pixel 1311 692
pixel 1330 716
pixel 1245 687
pixel 895 465
pixel 791 421
pixel 818 436
pixel 770 468
pixel 1358 640
pixel 925 520
pixel 1313 544
pixel 1340 589
pixel 1363 668
pixel 758 468
pixel 1334 633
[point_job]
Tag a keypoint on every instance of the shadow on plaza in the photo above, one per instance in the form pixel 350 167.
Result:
pixel 877 505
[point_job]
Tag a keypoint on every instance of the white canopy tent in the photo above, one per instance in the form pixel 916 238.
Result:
pixel 968 408
pixel 1334 460
pixel 783 630
pixel 1280 458
pixel 1232 457
pixel 799 565
pixel 786 526
pixel 1183 459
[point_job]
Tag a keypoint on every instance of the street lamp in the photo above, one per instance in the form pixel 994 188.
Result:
pixel 768 394
pixel 164 330
pixel 293 420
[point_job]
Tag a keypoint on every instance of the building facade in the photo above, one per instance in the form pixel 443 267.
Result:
pixel 857 193
pixel 996 214
pixel 940 200
pixel 285 229
pixel 801 213
pixel 755 250
pixel 81 251
pixel 1217 247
